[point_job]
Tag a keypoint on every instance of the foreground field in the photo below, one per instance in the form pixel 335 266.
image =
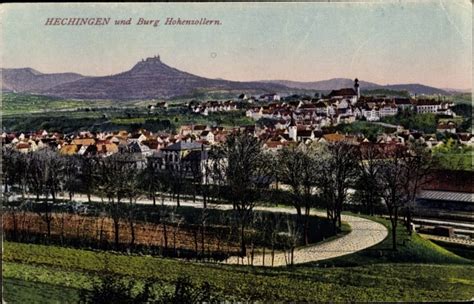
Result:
pixel 375 274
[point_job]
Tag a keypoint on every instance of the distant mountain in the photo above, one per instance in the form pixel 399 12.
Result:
pixel 416 88
pixel 32 81
pixel 149 78
pixel 457 91
pixel 324 85
pixel 337 83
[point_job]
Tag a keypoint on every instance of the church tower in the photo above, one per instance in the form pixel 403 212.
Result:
pixel 292 129
pixel 356 87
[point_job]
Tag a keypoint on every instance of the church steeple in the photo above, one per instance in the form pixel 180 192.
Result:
pixel 292 129
pixel 356 87
pixel 292 122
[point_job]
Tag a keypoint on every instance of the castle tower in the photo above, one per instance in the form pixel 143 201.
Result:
pixel 292 129
pixel 356 87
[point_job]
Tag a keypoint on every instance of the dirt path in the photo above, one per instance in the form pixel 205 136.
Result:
pixel 364 234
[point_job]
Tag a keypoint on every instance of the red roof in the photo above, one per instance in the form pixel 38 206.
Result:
pixel 343 92
pixel 451 180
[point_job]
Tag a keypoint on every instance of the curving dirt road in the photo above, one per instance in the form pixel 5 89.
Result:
pixel 364 234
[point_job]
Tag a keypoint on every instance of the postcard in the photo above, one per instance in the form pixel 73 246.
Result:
pixel 237 152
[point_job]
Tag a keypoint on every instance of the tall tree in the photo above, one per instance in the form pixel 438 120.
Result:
pixel 243 166
pixel 419 163
pixel 71 174
pixel 151 177
pixel 45 175
pixel 116 178
pixel 297 168
pixel 176 174
pixel 367 184
pixel 338 164
pixel 392 177
pixel 87 174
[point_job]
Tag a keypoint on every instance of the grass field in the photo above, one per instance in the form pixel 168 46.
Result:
pixel 17 104
pixel 418 271
pixel 459 249
pixel 411 249
pixel 24 113
pixel 20 291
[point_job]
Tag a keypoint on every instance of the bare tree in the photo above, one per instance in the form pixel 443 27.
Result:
pixel 291 165
pixel 401 174
pixel 14 169
pixel 392 175
pixel 87 175
pixel 298 169
pixel 71 174
pixel 176 174
pixel 242 163
pixel 293 235
pixel 46 169
pixel 152 180
pixel 419 163
pixel 338 163
pixel 114 180
pixel 367 183
pixel 164 215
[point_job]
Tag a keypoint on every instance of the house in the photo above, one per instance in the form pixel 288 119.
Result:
pixel 388 109
pixel 345 118
pixel 198 129
pixel 447 191
pixel 185 130
pixel 243 97
pixel 445 111
pixel 106 149
pixel 270 97
pixel 303 135
pixel 427 106
pixel 207 136
pixel 83 141
pixel 333 137
pixel 162 105
pixel 154 144
pixel 370 112
pixel 255 113
pixel 139 148
pixel 353 94
pixel 431 141
pixel 342 103
pixel 188 158
pixel 229 105
pixel 403 103
pixel 275 145
pixel 307 107
pixel 68 149
pixel 449 127
pixel 23 147
pixel 172 154
pixel 137 137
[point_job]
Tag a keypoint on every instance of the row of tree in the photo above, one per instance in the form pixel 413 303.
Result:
pixel 239 172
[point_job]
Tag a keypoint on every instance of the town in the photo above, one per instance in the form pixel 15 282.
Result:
pixel 311 152
pixel 288 121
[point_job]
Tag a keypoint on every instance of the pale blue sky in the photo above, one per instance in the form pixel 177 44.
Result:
pixel 427 42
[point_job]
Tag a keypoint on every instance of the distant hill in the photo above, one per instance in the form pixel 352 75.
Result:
pixel 416 88
pixel 336 83
pixel 150 78
pixel 32 81
pixel 324 85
